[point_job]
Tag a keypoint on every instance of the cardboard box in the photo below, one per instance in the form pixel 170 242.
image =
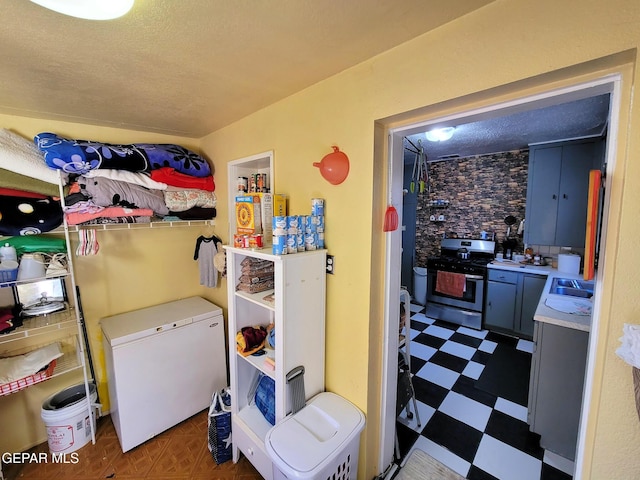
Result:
pixel 248 214
pixel 271 205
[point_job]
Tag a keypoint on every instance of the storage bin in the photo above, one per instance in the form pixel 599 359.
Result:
pixel 420 285
pixel 69 419
pixel 22 383
pixel 320 441
pixel 8 272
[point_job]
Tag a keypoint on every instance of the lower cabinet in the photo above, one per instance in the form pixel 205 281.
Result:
pixel 511 301
pixel 556 385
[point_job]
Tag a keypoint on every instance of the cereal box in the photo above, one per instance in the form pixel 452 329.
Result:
pixel 248 215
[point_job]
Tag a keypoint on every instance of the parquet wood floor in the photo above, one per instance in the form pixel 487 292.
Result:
pixel 180 453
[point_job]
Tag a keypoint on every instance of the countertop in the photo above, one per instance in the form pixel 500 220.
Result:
pixel 544 313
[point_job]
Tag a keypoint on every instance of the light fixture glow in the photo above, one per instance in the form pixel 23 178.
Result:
pixel 440 134
pixel 88 9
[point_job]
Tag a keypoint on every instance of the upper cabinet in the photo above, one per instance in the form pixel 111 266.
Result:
pixel 557 191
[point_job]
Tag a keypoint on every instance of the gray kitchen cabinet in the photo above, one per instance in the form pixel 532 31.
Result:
pixel 511 301
pixel 532 287
pixel 500 300
pixel 556 385
pixel 557 190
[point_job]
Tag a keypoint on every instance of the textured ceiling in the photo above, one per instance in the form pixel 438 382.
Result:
pixel 505 131
pixel 191 67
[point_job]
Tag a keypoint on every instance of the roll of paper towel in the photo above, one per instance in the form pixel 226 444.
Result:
pixel 569 263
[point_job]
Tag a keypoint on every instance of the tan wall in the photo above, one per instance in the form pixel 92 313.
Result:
pixel 505 42
pixel 502 43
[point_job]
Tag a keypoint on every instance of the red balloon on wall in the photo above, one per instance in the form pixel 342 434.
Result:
pixel 334 167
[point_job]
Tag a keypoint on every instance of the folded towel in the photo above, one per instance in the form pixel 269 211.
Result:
pixel 21 156
pixel 452 284
pixel 20 366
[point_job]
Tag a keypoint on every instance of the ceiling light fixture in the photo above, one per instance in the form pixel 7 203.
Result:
pixel 440 134
pixel 88 9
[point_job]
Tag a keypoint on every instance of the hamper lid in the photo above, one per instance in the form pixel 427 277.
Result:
pixel 309 439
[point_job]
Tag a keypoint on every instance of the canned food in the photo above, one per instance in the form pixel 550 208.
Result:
pixel 300 240
pixel 312 224
pixel 292 243
pixel 317 206
pixel 320 239
pixel 243 184
pixel 261 182
pixel 241 241
pixel 279 246
pixel 293 224
pixel 255 241
pixel 311 241
pixel 279 225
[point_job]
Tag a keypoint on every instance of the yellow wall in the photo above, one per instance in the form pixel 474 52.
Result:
pixel 505 42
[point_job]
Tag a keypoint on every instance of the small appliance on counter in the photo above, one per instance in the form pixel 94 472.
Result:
pixel 569 263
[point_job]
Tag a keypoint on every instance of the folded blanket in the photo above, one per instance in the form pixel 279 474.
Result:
pixel 80 156
pixel 142 179
pixel 76 218
pixel 9 179
pixel 174 178
pixel 116 220
pixel 106 192
pixel 20 366
pixel 19 155
pixel 20 193
pixel 180 201
pixel 196 213
pixel 26 216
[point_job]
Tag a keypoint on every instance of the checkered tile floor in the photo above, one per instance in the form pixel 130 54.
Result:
pixel 477 434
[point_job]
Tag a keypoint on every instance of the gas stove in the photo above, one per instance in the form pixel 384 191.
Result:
pixel 469 258
pixel 477 253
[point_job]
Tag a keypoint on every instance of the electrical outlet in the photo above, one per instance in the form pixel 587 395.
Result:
pixel 330 264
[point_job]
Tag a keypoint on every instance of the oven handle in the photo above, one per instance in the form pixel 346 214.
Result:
pixel 474 277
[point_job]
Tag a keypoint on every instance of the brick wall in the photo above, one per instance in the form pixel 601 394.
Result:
pixel 481 190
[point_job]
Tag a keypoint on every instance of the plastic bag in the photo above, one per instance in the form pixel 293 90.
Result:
pixel 219 426
pixel 265 398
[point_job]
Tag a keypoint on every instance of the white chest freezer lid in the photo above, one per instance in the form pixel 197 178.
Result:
pixel 306 441
pixel 125 327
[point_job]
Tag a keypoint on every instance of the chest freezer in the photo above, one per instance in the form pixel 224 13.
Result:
pixel 163 364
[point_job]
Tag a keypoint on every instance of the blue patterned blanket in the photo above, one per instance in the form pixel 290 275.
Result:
pixel 80 156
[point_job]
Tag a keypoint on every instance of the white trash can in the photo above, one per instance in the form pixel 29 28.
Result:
pixel 420 285
pixel 320 441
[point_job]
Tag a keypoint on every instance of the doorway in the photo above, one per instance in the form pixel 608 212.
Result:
pixel 605 85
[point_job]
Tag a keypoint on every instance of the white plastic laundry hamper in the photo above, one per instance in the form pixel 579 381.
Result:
pixel 319 442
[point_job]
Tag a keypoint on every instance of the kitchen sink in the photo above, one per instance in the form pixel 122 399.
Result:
pixel 571 287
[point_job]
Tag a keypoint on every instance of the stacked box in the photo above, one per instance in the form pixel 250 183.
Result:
pixel 271 205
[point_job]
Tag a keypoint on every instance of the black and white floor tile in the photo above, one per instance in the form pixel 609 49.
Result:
pixel 479 435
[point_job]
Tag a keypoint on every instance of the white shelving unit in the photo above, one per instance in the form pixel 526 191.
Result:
pixel 65 326
pixel 298 314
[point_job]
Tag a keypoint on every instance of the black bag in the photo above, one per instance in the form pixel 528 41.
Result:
pixel 219 426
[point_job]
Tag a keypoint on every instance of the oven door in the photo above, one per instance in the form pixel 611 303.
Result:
pixel 471 299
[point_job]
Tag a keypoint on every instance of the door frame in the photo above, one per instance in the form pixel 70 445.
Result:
pixel 598 82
